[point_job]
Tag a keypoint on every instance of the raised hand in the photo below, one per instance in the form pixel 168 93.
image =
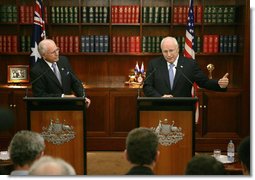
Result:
pixel 223 82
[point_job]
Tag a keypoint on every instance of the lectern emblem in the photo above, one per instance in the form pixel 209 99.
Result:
pixel 58 133
pixel 168 133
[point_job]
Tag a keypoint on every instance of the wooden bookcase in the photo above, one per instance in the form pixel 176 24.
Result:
pixel 223 116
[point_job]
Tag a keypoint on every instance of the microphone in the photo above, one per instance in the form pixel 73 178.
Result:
pixel 180 70
pixel 36 79
pixel 147 77
pixel 77 79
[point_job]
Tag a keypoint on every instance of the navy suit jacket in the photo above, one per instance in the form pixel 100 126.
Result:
pixel 45 83
pixel 158 82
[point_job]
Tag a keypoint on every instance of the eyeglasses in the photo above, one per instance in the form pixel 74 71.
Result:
pixel 55 51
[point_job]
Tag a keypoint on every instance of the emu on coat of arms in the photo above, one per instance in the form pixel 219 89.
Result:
pixel 168 133
pixel 58 133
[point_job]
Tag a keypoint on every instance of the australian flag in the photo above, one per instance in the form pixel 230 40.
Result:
pixel 38 31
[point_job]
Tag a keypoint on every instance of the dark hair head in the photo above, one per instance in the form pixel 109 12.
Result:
pixel 142 145
pixel 204 165
pixel 244 152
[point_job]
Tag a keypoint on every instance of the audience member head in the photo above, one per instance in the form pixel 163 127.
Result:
pixel 244 155
pixel 25 147
pixel 204 165
pixel 48 166
pixel 48 50
pixel 6 119
pixel 142 146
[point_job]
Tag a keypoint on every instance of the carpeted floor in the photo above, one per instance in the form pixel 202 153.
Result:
pixel 107 163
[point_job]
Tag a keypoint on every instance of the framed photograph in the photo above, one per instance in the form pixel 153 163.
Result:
pixel 18 74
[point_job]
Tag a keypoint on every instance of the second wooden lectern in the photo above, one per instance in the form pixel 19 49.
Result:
pixel 61 121
pixel 173 120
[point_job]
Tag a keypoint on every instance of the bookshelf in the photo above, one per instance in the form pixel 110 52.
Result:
pixel 105 70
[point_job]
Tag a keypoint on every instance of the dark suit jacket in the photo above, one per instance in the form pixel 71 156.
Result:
pixel 140 170
pixel 158 82
pixel 47 84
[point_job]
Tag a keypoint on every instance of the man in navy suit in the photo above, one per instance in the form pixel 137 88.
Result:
pixel 58 81
pixel 184 71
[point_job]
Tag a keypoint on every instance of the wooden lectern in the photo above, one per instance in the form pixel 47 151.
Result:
pixel 61 121
pixel 173 119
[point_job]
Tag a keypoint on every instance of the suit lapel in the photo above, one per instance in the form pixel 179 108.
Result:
pixel 63 72
pixel 163 67
pixel 178 73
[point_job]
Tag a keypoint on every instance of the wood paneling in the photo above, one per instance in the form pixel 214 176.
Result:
pixel 72 151
pixel 173 158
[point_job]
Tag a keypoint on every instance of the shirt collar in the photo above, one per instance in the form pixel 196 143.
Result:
pixel 175 62
pixel 49 63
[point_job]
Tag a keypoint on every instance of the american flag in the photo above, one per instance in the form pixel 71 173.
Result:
pixel 38 31
pixel 189 48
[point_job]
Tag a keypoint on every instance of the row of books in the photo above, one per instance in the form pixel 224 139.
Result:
pixel 219 14
pixel 67 44
pixel 180 14
pixel 64 14
pixel 120 14
pixel 8 14
pixel 228 44
pixel 156 14
pixel 125 14
pixel 123 44
pixel 25 43
pixel 26 14
pixel 8 43
pixel 151 44
pixel 96 14
pixel 181 42
pixel 220 43
pixel 95 43
pixel 126 44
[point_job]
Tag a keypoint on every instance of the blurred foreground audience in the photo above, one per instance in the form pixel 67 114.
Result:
pixel 204 165
pixel 243 152
pixel 49 166
pixel 25 147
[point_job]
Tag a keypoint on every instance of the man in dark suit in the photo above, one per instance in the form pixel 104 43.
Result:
pixel 52 76
pixel 183 71
pixel 142 151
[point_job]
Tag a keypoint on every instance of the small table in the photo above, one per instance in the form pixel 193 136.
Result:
pixel 234 168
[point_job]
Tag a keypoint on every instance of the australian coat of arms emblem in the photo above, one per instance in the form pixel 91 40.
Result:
pixel 168 133
pixel 58 133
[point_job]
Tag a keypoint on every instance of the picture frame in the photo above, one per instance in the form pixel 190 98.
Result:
pixel 18 74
